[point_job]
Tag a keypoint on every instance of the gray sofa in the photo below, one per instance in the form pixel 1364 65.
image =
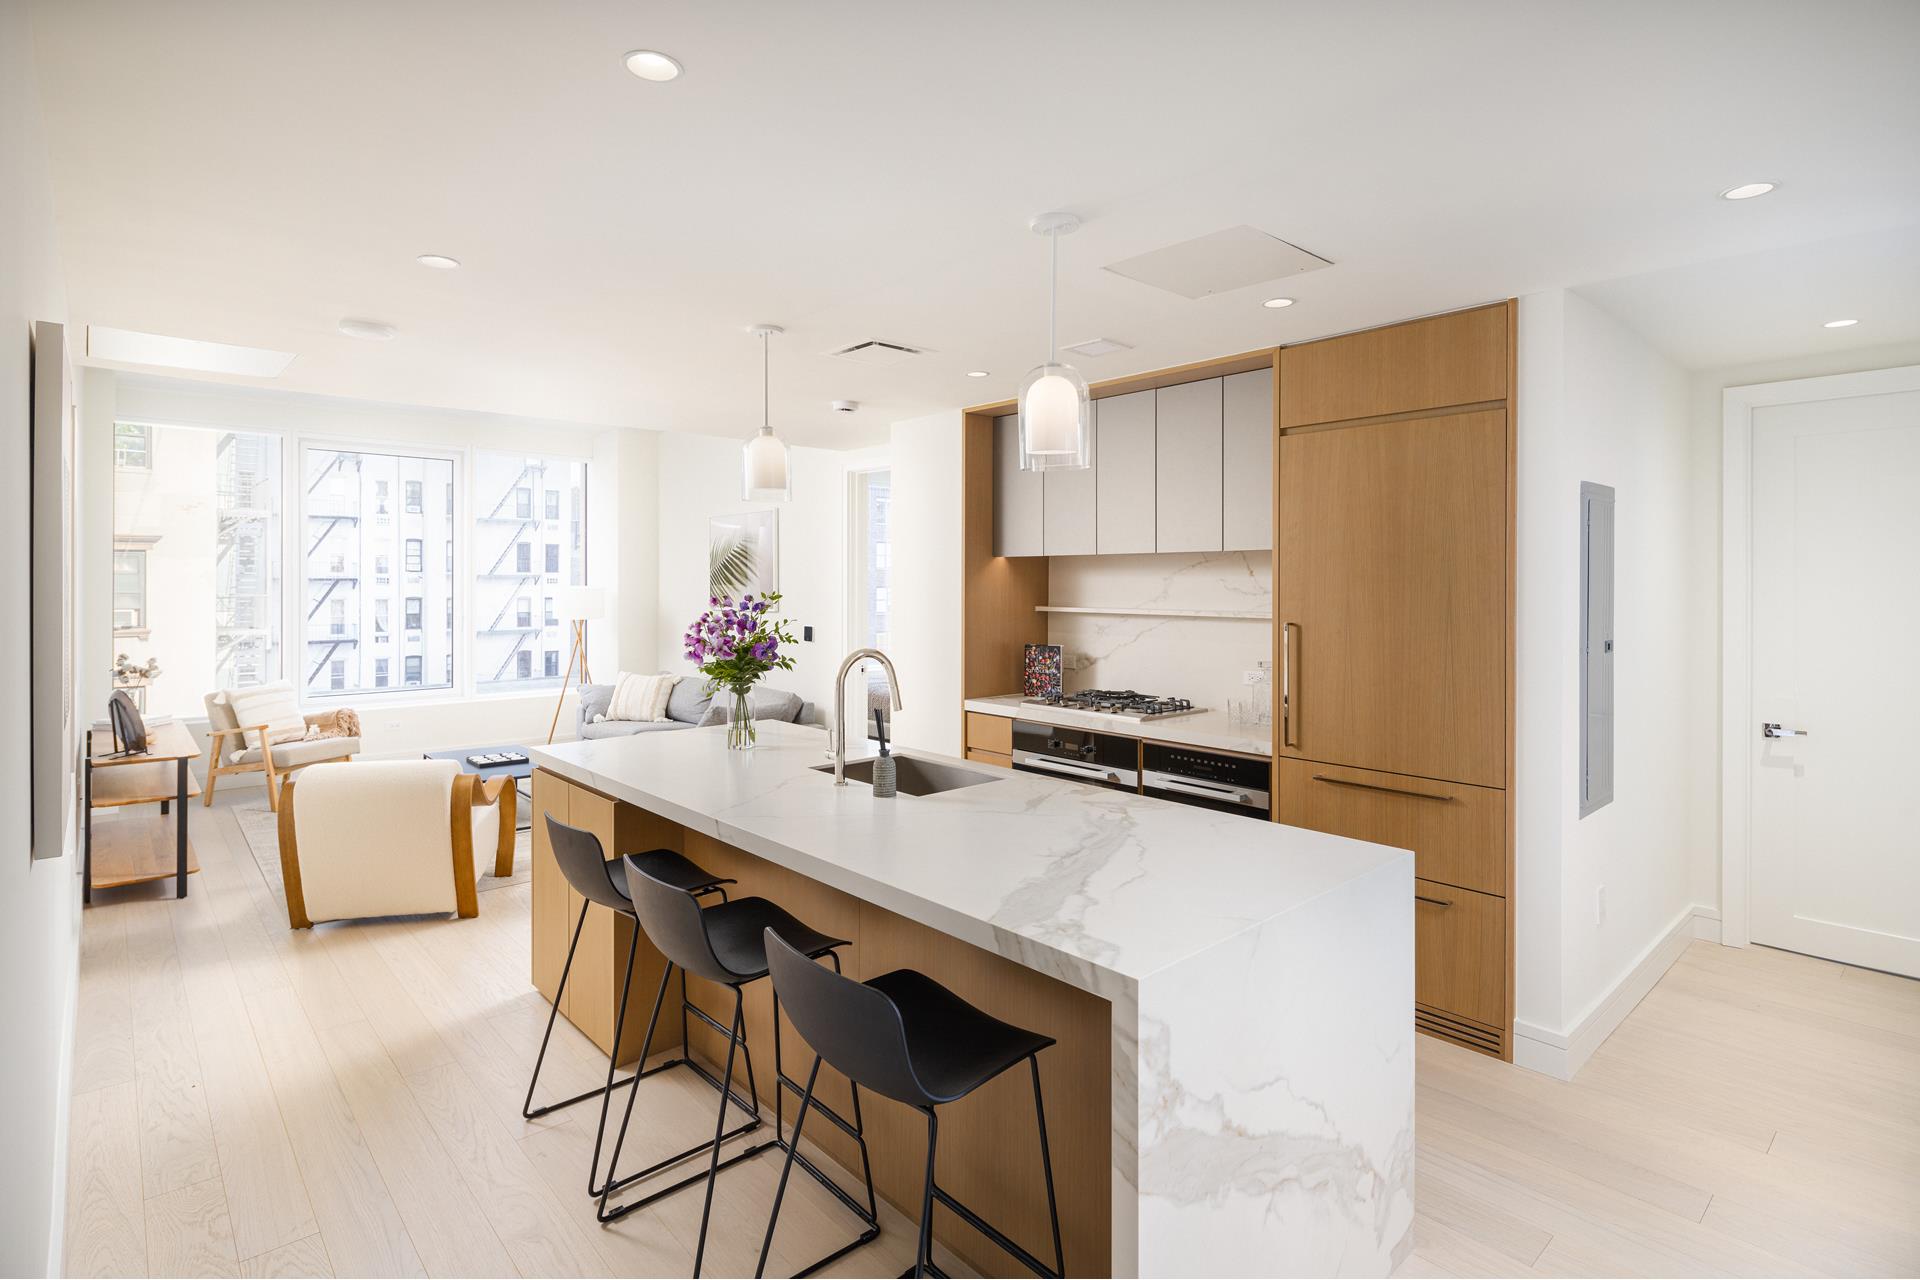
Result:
pixel 689 706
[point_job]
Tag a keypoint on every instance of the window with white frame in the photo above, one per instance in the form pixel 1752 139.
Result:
pixel 196 530
pixel 870 549
pixel 340 490
pixel 529 540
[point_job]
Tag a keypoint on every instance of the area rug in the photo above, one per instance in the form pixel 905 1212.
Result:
pixel 261 828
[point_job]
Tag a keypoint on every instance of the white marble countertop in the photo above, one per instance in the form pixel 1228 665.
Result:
pixel 1089 884
pixel 1204 729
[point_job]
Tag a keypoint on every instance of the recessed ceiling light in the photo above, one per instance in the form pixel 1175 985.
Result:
pixel 128 347
pixel 977 373
pixel 1747 190
pixel 437 260
pixel 1839 324
pixel 650 64
pixel 368 330
pixel 1276 303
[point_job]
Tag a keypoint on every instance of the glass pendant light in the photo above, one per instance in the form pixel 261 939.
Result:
pixel 766 472
pixel 1056 413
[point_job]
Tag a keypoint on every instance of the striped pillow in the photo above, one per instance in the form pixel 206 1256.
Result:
pixel 273 705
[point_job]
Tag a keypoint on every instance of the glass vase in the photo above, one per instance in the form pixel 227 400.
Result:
pixel 740 731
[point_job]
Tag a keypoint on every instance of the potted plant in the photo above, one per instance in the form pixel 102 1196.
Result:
pixel 734 643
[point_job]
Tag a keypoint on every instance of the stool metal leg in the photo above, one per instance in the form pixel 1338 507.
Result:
pixel 923 1259
pixel 1046 1164
pixel 786 1166
pixel 613 1058
pixel 719 1128
pixel 527 1109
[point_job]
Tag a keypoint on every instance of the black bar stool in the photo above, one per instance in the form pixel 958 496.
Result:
pixel 726 944
pixel 905 1036
pixel 583 862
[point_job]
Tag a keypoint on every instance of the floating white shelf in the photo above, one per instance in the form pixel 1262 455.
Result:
pixel 1237 615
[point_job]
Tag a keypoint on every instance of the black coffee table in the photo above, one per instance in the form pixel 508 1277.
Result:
pixel 522 774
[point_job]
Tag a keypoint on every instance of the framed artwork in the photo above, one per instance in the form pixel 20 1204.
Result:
pixel 55 735
pixel 1043 671
pixel 743 554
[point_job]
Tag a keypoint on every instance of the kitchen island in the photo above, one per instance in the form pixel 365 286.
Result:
pixel 1233 999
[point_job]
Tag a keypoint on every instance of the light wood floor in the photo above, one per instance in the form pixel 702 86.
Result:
pixel 249 1100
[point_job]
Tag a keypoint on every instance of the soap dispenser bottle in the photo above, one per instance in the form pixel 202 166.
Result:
pixel 883 768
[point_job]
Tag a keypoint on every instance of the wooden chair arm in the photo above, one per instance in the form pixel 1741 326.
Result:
pixel 503 792
pixel 290 862
pixel 465 893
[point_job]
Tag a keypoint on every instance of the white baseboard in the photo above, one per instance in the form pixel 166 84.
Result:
pixel 1561 1054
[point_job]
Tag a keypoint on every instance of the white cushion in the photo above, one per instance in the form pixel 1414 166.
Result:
pixel 291 755
pixel 374 838
pixel 273 705
pixel 642 698
pixel 220 712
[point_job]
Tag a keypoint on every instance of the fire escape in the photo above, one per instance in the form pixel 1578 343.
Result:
pixel 329 521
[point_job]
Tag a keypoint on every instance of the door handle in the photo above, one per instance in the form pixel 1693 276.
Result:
pixel 1437 902
pixel 1777 731
pixel 1374 786
pixel 1288 720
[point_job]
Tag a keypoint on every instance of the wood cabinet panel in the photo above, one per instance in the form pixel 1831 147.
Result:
pixel 1460 951
pixel 1246 480
pixel 1018 496
pixel 1187 444
pixel 1390 596
pixel 990 757
pixel 989 733
pixel 1458 834
pixel 1123 467
pixel 1423 364
pixel 552 925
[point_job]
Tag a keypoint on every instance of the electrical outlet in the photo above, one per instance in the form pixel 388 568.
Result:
pixel 1250 677
pixel 806 633
pixel 1600 906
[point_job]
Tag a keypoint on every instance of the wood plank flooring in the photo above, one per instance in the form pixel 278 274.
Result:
pixel 252 1101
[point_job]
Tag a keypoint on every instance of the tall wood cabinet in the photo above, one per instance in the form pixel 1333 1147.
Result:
pixel 1393 632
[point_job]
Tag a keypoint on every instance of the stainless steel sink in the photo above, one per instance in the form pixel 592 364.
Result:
pixel 914 776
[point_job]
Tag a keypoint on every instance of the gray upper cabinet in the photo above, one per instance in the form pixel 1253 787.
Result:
pixel 1247 461
pixel 1069 506
pixel 1123 467
pixel 1018 497
pixel 1187 443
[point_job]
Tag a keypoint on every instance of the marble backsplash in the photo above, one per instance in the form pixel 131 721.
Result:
pixel 1198 658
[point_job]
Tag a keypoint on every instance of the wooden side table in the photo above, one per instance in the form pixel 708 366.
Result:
pixel 134 850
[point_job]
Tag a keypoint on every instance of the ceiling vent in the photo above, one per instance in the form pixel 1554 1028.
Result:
pixel 1097 347
pixel 1219 263
pixel 873 351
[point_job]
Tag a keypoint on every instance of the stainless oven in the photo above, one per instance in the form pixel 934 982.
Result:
pixel 1080 755
pixel 1210 779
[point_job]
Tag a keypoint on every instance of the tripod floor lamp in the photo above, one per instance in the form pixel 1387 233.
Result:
pixel 579 605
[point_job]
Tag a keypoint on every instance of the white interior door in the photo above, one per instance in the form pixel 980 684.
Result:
pixel 1835 863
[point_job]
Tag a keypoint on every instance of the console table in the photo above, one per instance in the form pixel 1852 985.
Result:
pixel 133 850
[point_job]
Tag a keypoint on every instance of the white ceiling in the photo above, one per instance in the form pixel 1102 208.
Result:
pixel 1774 304
pixel 251 172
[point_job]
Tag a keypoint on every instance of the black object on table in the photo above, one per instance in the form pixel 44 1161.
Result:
pixel 520 772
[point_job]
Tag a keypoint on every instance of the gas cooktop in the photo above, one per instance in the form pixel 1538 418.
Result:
pixel 1123 704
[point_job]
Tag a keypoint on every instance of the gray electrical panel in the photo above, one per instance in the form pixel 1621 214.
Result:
pixel 1596 646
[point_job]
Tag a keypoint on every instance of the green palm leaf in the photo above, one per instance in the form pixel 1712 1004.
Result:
pixel 730 565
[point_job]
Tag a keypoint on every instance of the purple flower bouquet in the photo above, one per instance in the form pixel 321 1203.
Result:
pixel 734 643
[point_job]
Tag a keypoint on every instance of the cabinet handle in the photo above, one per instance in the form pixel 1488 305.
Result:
pixel 1438 902
pixel 1288 737
pixel 1374 786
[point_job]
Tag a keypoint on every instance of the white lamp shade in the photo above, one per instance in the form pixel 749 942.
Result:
pixel 766 473
pixel 581 604
pixel 1056 419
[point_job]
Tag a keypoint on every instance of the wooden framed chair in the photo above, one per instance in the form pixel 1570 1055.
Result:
pixel 236 748
pixel 389 838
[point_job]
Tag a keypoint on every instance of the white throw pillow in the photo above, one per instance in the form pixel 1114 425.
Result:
pixel 273 705
pixel 643 698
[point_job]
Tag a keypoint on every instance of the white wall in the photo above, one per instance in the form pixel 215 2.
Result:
pixel 39 902
pixel 927 579
pixel 622 552
pixel 1598 403
pixel 699 478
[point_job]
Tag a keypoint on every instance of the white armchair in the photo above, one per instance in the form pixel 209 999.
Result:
pixel 388 838
pixel 233 747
